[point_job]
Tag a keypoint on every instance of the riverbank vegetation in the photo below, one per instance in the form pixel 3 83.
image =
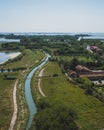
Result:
pixel 79 98
pixel 57 116
pixel 58 90
pixel 6 99
pixel 30 59
pixel 68 52
pixel 34 57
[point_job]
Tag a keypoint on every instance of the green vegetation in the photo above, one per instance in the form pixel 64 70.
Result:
pixel 33 59
pixel 6 100
pixel 22 106
pixel 56 117
pixel 34 87
pixel 89 110
pixel 64 96
pixel 80 58
pixel 29 59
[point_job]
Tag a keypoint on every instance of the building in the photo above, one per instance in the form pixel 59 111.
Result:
pixel 82 69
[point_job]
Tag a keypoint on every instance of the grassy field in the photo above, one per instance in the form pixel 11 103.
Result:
pixel 6 101
pixel 31 58
pixel 34 86
pixel 80 58
pixel 89 109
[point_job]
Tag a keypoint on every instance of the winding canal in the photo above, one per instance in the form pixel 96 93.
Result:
pixel 28 95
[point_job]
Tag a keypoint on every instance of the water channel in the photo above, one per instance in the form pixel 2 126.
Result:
pixel 28 95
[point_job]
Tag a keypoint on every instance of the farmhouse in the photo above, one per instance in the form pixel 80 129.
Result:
pixel 95 48
pixel 82 69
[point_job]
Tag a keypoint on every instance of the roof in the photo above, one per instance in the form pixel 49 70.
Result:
pixel 95 48
pixel 82 68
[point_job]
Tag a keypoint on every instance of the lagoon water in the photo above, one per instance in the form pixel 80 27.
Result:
pixel 95 36
pixel 5 56
pixel 99 36
pixel 4 40
pixel 91 35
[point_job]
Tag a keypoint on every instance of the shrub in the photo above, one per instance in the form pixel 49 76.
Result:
pixel 54 117
pixel 55 75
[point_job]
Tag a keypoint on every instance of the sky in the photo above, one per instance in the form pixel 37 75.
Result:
pixel 51 15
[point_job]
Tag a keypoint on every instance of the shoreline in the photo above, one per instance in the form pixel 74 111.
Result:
pixel 10 57
pixel 14 55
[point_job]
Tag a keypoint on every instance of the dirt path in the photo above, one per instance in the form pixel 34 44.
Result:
pixel 39 81
pixel 14 117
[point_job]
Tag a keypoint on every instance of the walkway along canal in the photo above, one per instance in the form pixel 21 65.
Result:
pixel 28 95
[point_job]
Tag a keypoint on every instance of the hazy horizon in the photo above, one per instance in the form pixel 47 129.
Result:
pixel 44 32
pixel 61 16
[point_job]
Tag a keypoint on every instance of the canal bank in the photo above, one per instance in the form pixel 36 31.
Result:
pixel 28 94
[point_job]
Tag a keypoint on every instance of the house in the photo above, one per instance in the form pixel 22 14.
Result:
pixel 82 69
pixel 95 49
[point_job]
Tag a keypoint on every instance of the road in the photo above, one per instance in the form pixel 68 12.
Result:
pixel 14 117
pixel 39 83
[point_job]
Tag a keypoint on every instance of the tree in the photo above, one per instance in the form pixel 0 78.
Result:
pixel 55 117
pixel 74 62
pixel 89 91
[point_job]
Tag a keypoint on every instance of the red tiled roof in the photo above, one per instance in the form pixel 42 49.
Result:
pixel 82 68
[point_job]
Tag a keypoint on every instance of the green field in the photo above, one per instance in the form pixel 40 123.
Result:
pixel 6 100
pixel 90 110
pixel 80 58
pixel 29 59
